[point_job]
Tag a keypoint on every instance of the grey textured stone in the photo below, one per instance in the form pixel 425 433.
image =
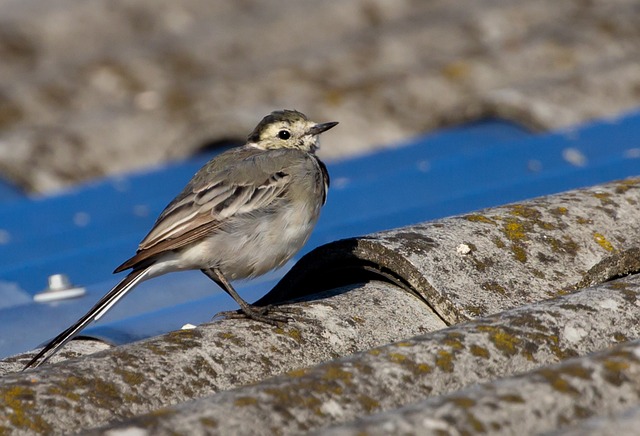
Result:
pixel 74 349
pixel 547 398
pixel 438 363
pixel 516 254
pixel 626 423
pixel 112 85
pixel 125 381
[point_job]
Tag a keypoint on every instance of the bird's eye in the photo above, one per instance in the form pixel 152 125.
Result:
pixel 284 134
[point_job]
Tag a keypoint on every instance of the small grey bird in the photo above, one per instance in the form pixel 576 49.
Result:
pixel 244 213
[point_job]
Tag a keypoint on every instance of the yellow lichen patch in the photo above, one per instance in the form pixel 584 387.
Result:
pixel 615 368
pixel 624 185
pixel 404 344
pixel 17 402
pixel 406 362
pixel 481 265
pixel 105 394
pixel 456 70
pixel 620 337
pixel 560 210
pixel 514 230
pixel 181 340
pixel 620 286
pixel 298 372
pixel 479 351
pixel 423 368
pixel 154 348
pixel 444 360
pixel 476 311
pixel 532 321
pixel 245 401
pixel 557 382
pixel 519 252
pixel 577 370
pixel 583 220
pixel 560 292
pixel 184 334
pixel 131 378
pixel 368 404
pixel 616 365
pixel 235 340
pixel 477 218
pixel 357 320
pixel 334 372
pixel 72 383
pixel 375 352
pixel 454 340
pixel 602 241
pixel 70 395
pixel 464 402
pixel 160 413
pixel 494 287
pixel 478 426
pixel 294 334
pixel 397 357
pixel 604 197
pixel 511 398
pixel 208 422
pixel 292 396
pixel 566 245
pixel 546 225
pixel 504 341
pixel 525 211
pixel 362 367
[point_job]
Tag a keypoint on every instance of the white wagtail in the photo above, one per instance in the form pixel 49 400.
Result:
pixel 244 213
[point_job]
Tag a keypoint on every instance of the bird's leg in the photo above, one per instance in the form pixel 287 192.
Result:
pixel 248 310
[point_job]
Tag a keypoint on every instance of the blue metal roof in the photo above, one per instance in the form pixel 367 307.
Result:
pixel 87 231
pixel 9 191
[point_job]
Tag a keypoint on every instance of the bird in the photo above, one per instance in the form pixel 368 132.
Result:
pixel 245 212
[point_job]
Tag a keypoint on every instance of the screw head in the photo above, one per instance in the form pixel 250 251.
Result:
pixel 60 288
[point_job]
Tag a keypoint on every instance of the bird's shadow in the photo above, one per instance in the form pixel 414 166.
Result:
pixel 327 271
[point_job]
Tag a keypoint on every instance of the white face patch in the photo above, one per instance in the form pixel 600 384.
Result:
pixel 288 134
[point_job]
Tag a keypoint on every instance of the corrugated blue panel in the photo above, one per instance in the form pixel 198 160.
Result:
pixel 88 231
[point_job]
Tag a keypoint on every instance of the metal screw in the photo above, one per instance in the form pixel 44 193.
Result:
pixel 60 288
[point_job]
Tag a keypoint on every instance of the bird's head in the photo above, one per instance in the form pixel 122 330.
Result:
pixel 287 129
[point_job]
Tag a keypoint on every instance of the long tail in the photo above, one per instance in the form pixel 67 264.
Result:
pixel 96 312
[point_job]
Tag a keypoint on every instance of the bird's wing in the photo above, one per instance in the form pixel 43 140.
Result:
pixel 242 183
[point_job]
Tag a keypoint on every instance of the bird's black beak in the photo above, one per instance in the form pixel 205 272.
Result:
pixel 319 128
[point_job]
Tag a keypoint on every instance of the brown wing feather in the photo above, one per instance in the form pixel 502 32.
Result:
pixel 169 244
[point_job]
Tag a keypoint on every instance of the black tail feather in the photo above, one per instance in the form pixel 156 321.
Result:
pixel 96 311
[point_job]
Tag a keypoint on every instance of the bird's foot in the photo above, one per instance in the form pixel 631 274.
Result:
pixel 271 315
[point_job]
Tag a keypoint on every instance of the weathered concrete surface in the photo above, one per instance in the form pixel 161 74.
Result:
pixel 110 85
pixel 545 399
pixel 433 364
pixel 626 423
pixel 514 254
pixel 141 377
pixel 74 349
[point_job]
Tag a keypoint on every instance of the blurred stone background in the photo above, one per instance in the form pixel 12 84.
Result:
pixel 104 86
